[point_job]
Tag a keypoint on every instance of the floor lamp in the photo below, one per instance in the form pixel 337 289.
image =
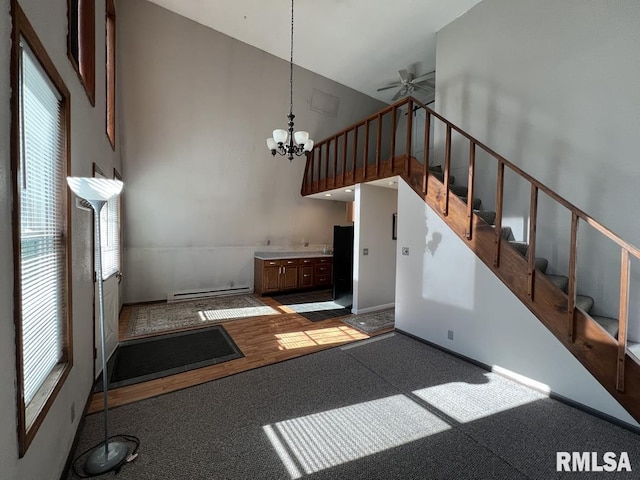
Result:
pixel 97 192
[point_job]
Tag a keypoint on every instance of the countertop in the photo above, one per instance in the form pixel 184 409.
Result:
pixel 284 255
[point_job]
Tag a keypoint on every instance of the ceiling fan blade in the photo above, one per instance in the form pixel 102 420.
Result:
pixel 415 85
pixel 426 76
pixel 395 85
pixel 404 75
pixel 397 95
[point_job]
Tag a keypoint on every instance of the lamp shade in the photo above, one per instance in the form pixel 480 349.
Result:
pixel 308 146
pixel 280 136
pixel 301 137
pixel 271 144
pixel 94 188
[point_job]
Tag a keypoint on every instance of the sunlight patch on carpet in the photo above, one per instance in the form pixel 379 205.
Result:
pixel 323 440
pixel 475 401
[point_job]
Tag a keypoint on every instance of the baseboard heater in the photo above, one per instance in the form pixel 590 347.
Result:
pixel 204 293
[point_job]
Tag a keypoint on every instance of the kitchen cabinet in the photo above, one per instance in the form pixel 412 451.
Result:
pixel 277 273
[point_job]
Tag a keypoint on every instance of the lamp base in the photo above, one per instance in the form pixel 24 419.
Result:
pixel 97 463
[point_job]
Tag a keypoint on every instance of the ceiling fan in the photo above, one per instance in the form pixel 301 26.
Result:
pixel 409 84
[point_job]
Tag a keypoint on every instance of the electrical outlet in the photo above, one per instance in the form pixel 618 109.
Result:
pixel 450 334
pixel 405 250
pixel 365 251
pixel 73 411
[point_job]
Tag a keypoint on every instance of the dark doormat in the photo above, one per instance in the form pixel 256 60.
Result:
pixel 314 305
pixel 144 359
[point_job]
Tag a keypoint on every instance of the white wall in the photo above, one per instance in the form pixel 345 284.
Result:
pixel 203 190
pixel 47 454
pixel 441 285
pixel 374 275
pixel 552 86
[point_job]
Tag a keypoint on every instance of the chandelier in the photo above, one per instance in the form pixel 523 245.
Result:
pixel 286 142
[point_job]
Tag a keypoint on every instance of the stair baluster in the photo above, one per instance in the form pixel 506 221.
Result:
pixel 427 146
pixel 623 317
pixel 409 132
pixel 447 168
pixel 499 202
pixel 470 182
pixel 573 265
pixel 531 250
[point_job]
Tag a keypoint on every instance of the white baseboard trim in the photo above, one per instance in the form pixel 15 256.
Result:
pixel 376 308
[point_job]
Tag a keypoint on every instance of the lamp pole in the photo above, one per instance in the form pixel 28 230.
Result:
pixel 97 192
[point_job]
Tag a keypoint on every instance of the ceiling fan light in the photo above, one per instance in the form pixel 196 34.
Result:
pixel 308 146
pixel 280 136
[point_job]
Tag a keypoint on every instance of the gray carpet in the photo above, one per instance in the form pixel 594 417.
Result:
pixel 385 408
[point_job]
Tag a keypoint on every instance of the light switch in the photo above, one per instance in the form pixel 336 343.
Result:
pixel 405 250
pixel 365 251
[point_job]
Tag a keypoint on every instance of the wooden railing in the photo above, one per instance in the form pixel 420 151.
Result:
pixel 346 158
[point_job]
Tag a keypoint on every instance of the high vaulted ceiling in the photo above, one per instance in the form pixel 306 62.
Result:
pixel 359 43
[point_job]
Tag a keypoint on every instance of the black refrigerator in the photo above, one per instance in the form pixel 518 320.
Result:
pixel 343 265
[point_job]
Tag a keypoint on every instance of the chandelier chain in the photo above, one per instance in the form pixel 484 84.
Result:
pixel 291 66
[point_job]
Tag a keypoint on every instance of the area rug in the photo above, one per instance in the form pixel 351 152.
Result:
pixel 136 361
pixel 372 322
pixel 153 318
pixel 315 305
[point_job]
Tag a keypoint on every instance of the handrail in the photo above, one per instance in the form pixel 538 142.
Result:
pixel 542 187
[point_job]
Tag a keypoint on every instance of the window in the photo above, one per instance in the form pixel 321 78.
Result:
pixel 81 43
pixel 109 231
pixel 111 73
pixel 40 158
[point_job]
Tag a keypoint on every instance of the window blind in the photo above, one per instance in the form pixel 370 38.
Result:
pixel 110 236
pixel 42 193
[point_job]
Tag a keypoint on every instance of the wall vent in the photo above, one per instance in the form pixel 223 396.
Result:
pixel 205 293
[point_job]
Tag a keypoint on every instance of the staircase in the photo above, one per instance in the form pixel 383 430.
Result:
pixel 376 148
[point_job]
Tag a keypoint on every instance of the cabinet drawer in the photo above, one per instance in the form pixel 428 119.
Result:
pixel 322 270
pixel 272 263
pixel 289 261
pixel 322 280
pixel 307 261
pixel 328 260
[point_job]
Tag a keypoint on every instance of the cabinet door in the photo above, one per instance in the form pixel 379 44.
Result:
pixel 306 276
pixel 271 278
pixel 289 278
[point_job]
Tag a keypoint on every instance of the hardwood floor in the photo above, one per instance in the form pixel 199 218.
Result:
pixel 262 340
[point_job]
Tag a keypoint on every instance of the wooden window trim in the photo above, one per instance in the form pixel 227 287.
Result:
pixel 111 72
pixel 85 64
pixel 21 28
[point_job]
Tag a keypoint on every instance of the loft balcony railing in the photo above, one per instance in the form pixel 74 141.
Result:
pixel 385 145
